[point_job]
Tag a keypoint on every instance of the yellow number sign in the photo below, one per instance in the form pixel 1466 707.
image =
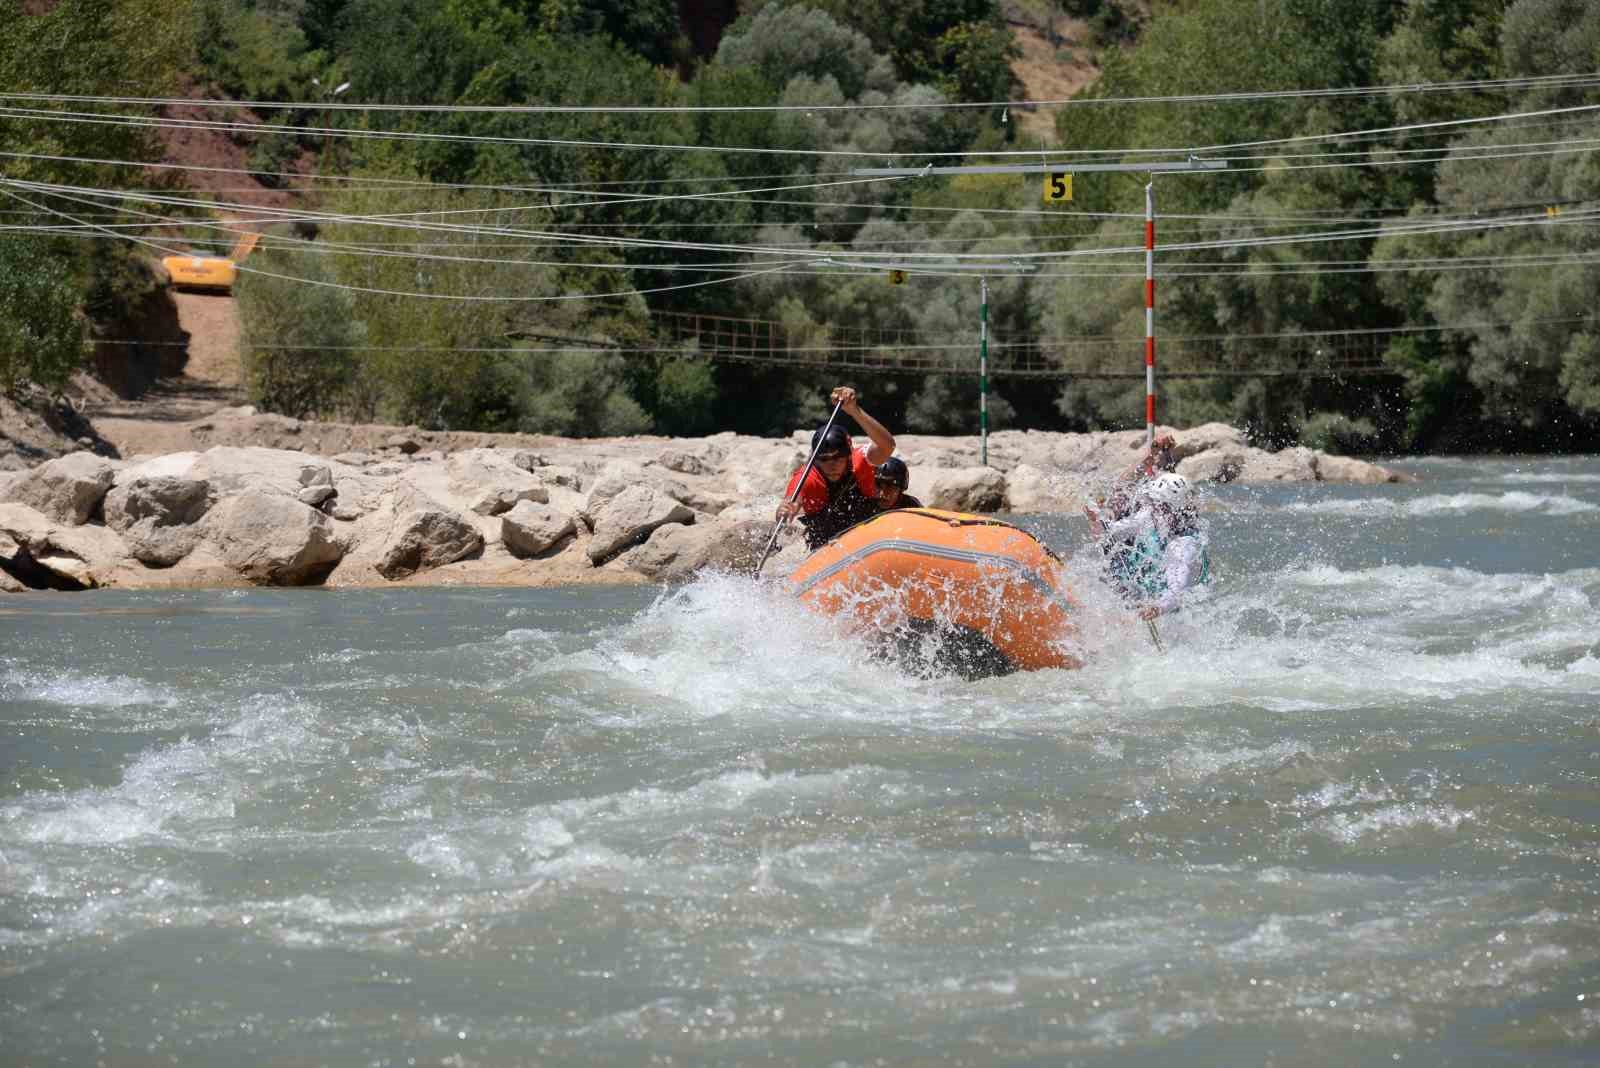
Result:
pixel 1058 186
pixel 896 277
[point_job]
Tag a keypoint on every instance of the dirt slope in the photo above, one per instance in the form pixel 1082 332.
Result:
pixel 1050 72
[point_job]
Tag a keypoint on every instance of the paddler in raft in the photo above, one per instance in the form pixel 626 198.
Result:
pixel 841 489
pixel 893 478
pixel 1156 554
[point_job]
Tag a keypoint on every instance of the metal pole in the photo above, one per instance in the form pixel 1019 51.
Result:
pixel 1150 315
pixel 983 372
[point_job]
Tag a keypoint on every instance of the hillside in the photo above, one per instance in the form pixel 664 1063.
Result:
pixel 214 163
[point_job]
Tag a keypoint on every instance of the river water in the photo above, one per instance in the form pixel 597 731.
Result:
pixel 1350 816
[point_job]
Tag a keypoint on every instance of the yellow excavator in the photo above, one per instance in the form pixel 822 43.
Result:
pixel 211 273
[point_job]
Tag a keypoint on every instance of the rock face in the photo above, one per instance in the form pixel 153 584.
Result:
pixel 272 540
pixel 155 516
pixel 45 553
pixel 532 529
pixel 675 552
pixel 426 538
pixel 68 488
pixel 629 517
pixel 400 506
pixel 959 489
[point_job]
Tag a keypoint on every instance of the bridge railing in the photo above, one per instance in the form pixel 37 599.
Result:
pixel 1331 354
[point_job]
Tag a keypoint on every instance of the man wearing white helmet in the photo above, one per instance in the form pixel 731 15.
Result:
pixel 1156 554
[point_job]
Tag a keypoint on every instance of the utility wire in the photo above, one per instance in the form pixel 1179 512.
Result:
pixel 1552 81
pixel 436 296
pixel 408 135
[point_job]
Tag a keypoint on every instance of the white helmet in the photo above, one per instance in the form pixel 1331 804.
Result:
pixel 1170 490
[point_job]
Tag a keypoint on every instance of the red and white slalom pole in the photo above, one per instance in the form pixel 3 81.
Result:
pixel 1150 315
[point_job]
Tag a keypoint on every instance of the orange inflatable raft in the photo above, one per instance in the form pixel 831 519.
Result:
pixel 959 592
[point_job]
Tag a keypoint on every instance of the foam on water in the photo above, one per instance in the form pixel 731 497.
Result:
pixel 1318 637
pixel 580 839
pixel 78 690
pixel 167 789
pixel 1550 478
pixel 741 648
pixel 1303 639
pixel 1515 502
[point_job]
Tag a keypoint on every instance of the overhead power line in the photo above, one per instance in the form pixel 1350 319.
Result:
pixel 1552 81
pixel 257 129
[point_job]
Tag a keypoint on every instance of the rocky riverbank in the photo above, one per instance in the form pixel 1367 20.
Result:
pixel 238 498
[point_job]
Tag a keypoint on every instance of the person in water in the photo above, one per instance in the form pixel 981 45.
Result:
pixel 1123 500
pixel 1158 553
pixel 893 478
pixel 841 489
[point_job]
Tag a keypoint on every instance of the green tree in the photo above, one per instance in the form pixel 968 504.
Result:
pixel 41 332
pixel 1513 361
pixel 297 339
pixel 90 48
pixel 253 51
pixel 962 46
pixel 648 27
pixel 784 42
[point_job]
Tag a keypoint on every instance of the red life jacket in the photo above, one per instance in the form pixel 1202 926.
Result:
pixel 814 494
pixel 829 510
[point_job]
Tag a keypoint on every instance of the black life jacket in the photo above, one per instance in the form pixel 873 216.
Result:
pixel 847 505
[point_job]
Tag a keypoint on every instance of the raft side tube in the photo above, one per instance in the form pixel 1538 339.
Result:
pixel 923 567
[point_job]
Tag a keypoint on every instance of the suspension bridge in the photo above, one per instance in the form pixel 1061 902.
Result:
pixel 1333 354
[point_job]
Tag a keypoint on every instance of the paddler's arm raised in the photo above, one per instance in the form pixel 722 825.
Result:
pixel 882 441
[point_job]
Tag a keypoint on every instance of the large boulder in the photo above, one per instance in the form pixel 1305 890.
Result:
pixel 559 475
pixel 272 539
pixel 1203 438
pixel 357 494
pixel 1033 489
pixel 233 471
pixel 692 458
pixel 619 475
pixel 426 538
pixel 959 489
pixel 532 529
pixel 676 552
pixel 1348 469
pixel 156 515
pixel 46 553
pixel 1215 465
pixel 68 488
pixel 757 468
pixel 490 482
pixel 629 517
pixel 1298 464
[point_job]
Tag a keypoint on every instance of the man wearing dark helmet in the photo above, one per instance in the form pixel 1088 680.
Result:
pixel 893 478
pixel 841 488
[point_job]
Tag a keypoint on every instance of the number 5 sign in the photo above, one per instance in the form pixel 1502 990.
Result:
pixel 1058 186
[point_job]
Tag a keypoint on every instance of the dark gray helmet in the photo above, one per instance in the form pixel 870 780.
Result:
pixel 835 440
pixel 894 471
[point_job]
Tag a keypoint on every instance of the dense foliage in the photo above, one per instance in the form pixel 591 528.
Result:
pixel 53 291
pixel 580 254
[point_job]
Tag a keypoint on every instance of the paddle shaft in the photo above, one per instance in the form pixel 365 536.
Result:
pixel 798 483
